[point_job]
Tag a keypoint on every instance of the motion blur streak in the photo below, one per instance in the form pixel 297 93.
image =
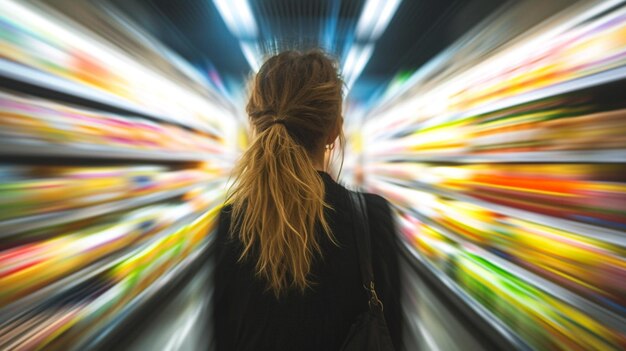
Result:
pixel 113 172
pixel 497 130
pixel 509 177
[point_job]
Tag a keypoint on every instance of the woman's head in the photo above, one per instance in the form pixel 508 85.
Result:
pixel 301 91
pixel 278 196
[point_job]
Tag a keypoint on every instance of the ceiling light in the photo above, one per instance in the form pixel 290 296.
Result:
pixel 251 52
pixel 238 17
pixel 355 62
pixel 375 18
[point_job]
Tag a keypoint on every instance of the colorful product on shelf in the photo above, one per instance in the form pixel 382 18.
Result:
pixel 510 175
pixel 81 245
pixel 544 321
pixel 33 190
pixel 555 124
pixel 431 243
pixel 590 266
pixel 541 320
pixel 28 267
pixel 595 46
pixel 60 54
pixel 92 305
pixel 585 52
pixel 31 121
pixel 588 193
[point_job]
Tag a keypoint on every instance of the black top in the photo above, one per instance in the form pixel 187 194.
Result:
pixel 248 317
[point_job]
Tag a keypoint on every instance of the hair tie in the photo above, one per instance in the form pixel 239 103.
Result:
pixel 278 121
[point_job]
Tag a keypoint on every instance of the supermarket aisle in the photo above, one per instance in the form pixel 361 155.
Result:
pixel 178 322
pixel 497 136
pixel 433 322
pixel 112 171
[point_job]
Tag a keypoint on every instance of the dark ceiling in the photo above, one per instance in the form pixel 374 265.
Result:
pixel 418 31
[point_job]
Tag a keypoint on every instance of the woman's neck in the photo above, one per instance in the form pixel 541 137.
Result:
pixel 318 159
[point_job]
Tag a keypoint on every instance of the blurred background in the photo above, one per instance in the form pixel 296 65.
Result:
pixel 496 128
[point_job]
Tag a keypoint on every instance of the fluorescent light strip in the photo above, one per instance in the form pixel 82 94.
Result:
pixel 385 17
pixel 357 58
pixel 250 51
pixel 368 18
pixel 375 18
pixel 238 17
pixel 372 23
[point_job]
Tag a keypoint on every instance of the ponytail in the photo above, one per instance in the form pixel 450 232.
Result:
pixel 278 196
pixel 278 199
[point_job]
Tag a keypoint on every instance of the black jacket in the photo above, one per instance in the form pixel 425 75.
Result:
pixel 248 317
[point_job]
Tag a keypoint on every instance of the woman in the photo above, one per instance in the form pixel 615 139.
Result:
pixel 286 271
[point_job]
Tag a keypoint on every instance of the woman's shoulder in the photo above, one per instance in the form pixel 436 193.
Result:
pixel 377 205
pixel 226 210
pixel 224 215
pixel 223 223
pixel 380 213
pixel 376 201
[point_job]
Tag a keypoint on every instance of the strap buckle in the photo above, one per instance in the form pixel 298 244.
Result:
pixel 373 296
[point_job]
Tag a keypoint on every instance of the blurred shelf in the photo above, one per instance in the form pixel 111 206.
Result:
pixel 35 77
pixel 612 236
pixel 59 150
pixel 92 339
pixel 588 82
pixel 576 84
pixel 600 313
pixel 607 235
pixel 15 226
pixel 50 291
pixel 486 315
pixel 582 156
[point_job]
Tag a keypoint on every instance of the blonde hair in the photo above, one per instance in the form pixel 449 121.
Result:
pixel 278 197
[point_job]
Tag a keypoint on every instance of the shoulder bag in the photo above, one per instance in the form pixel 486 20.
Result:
pixel 369 331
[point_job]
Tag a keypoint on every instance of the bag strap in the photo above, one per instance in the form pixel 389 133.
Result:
pixel 363 245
